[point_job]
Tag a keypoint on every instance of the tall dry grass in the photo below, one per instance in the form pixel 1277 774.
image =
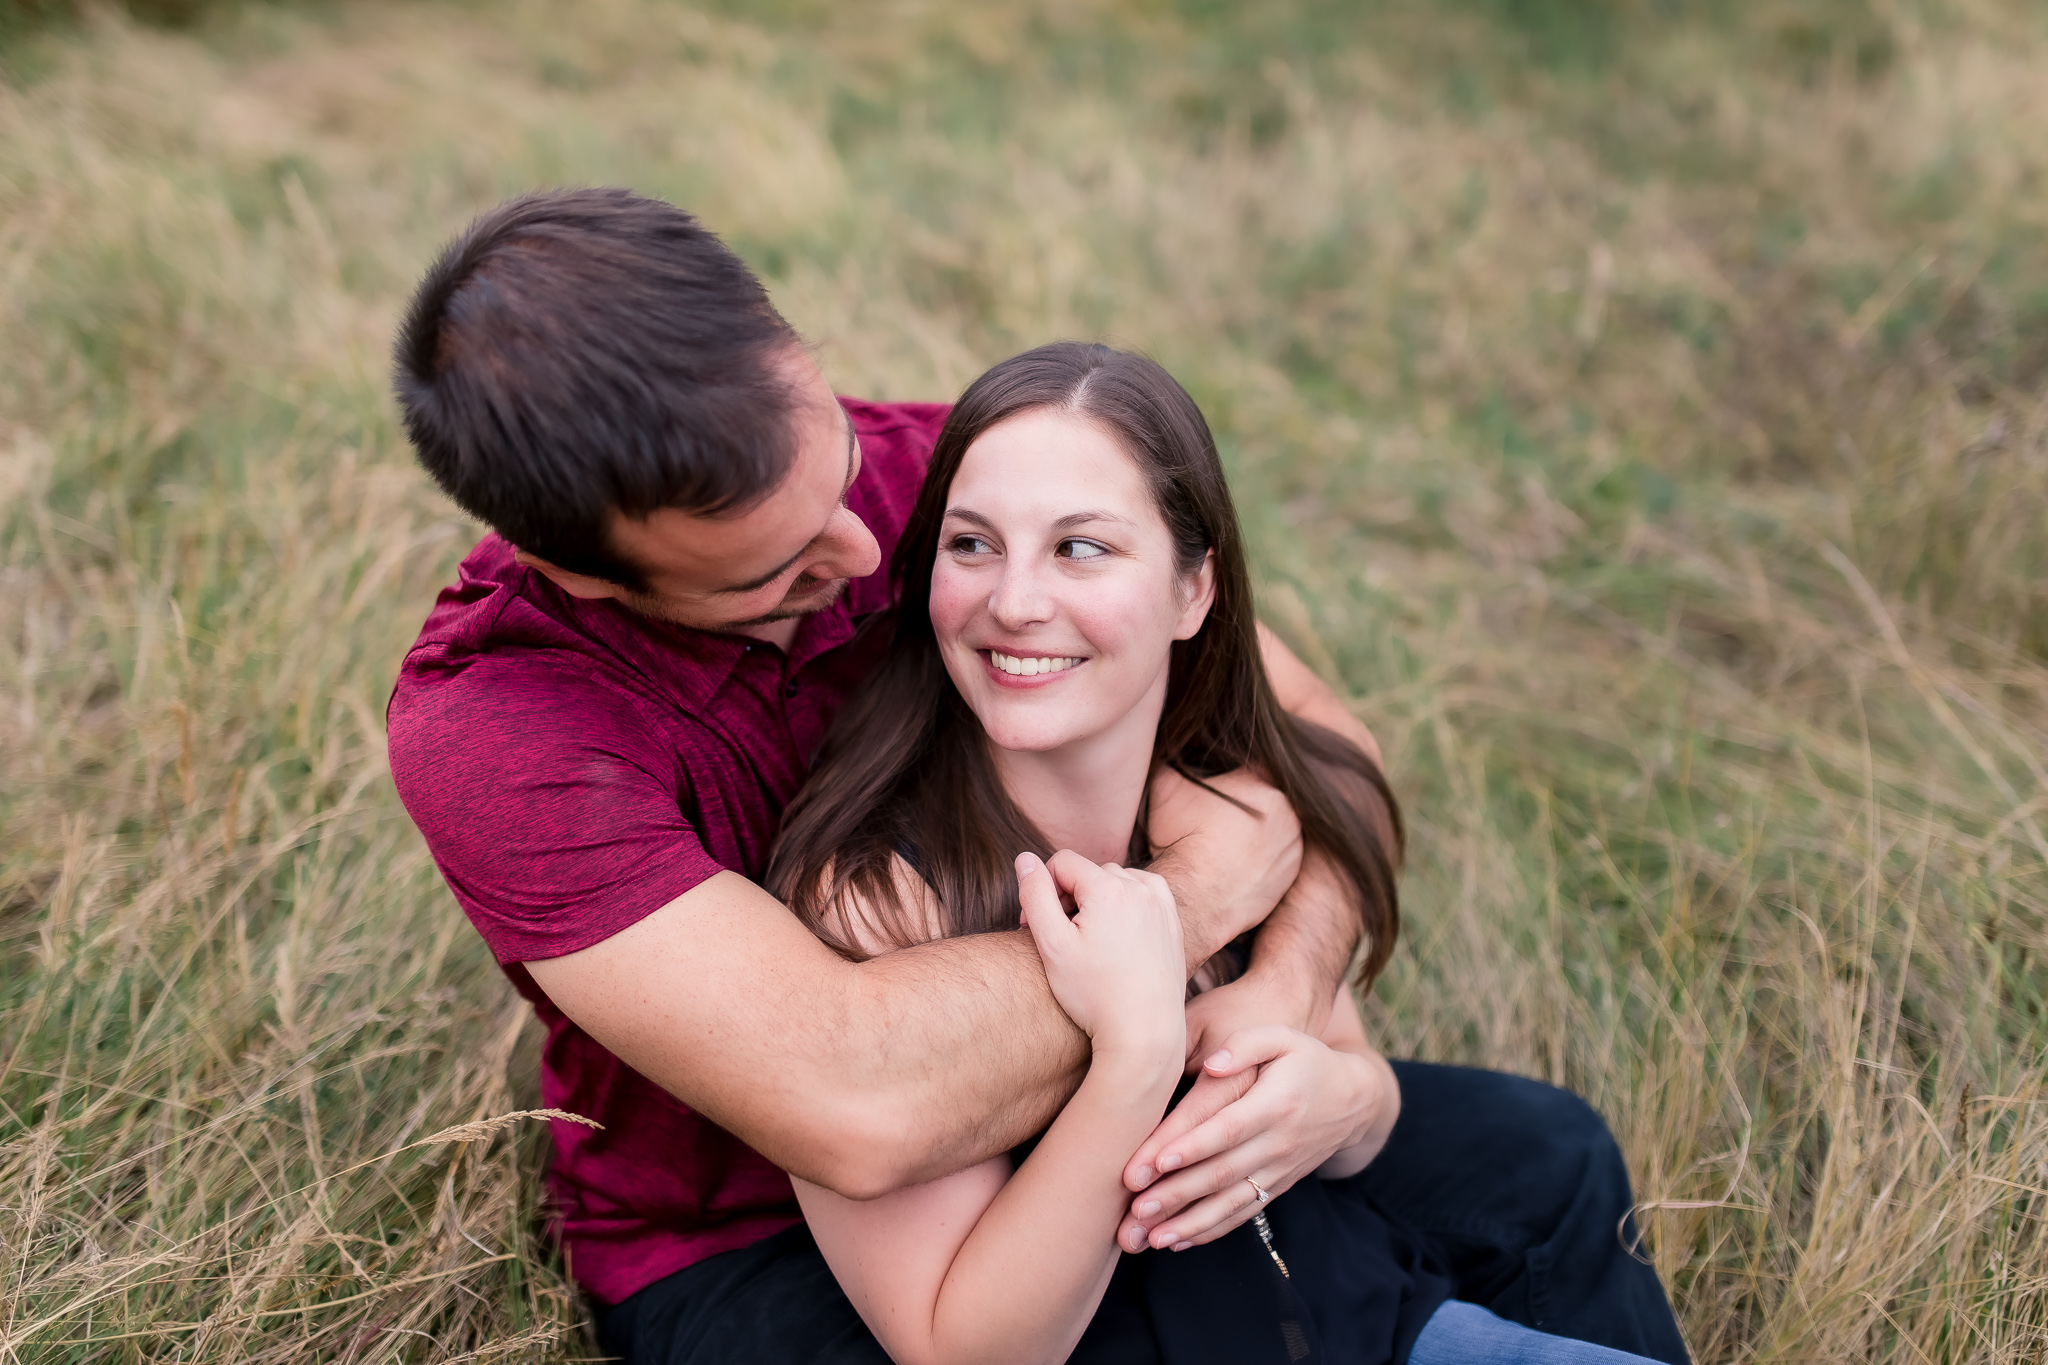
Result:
pixel 1643 412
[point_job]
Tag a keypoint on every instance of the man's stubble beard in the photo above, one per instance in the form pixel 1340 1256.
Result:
pixel 827 595
pixel 648 605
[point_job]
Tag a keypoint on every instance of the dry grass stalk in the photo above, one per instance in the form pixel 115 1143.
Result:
pixel 1648 422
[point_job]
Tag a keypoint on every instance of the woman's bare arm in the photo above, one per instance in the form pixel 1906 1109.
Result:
pixel 935 1269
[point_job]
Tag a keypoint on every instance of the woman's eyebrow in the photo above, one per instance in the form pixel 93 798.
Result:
pixel 1073 519
pixel 1065 523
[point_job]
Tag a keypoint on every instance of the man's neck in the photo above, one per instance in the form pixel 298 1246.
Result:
pixel 781 634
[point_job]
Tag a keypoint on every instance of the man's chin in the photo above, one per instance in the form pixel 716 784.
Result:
pixel 795 605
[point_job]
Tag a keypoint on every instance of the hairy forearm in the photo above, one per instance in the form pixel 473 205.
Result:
pixel 1304 949
pixel 955 1051
pixel 862 1077
pixel 1207 923
pixel 1306 943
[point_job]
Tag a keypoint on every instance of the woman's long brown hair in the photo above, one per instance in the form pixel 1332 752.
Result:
pixel 906 768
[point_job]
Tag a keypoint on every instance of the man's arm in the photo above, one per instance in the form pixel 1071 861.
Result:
pixel 1304 949
pixel 861 1077
pixel 866 1077
pixel 1301 693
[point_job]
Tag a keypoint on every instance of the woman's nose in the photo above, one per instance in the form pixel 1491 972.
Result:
pixel 1021 596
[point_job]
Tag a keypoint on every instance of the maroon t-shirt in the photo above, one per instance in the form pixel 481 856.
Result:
pixel 574 767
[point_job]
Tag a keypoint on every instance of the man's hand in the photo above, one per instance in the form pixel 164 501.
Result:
pixel 1248 1002
pixel 1229 865
pixel 1273 1106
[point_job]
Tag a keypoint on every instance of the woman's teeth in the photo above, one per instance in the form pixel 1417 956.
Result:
pixel 1025 668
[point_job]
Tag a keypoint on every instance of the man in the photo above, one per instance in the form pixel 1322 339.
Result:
pixel 601 721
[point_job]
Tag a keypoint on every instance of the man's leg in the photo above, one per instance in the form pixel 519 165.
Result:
pixel 1521 1191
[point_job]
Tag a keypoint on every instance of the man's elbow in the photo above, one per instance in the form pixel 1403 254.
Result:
pixel 866 1153
pixel 859 1176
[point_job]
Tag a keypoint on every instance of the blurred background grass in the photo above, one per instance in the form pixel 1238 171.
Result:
pixel 1639 406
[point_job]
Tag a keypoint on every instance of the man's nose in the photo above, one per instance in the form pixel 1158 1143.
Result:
pixel 847 549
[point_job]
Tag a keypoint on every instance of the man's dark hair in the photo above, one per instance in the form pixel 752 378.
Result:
pixel 582 352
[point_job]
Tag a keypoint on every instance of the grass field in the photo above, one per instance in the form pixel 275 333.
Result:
pixel 1641 409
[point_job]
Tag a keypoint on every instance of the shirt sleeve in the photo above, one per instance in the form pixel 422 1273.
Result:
pixel 550 802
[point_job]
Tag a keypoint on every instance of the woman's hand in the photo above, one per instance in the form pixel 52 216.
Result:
pixel 1118 966
pixel 1273 1105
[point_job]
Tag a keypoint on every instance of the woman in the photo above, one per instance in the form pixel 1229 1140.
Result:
pixel 1075 613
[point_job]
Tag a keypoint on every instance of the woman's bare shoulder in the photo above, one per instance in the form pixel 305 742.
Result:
pixel 877 929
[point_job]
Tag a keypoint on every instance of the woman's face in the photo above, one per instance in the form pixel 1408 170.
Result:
pixel 1055 597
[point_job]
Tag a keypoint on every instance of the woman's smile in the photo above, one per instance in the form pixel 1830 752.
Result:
pixel 1029 670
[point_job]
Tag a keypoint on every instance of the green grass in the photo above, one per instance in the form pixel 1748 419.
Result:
pixel 1640 408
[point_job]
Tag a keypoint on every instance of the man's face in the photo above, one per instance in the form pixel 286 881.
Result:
pixel 785 556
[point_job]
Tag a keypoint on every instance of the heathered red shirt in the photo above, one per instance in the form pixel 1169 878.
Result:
pixel 574 767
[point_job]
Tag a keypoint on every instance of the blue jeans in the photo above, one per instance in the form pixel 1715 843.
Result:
pixel 1466 1334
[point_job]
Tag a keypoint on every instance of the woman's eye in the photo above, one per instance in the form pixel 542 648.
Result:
pixel 1080 549
pixel 970 545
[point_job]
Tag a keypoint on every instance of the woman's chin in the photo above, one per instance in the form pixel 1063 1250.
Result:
pixel 1028 739
pixel 1030 729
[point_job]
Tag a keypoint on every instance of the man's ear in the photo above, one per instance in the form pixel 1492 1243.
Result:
pixel 575 584
pixel 1201 588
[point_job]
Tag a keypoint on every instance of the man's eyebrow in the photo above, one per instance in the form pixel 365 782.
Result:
pixel 1065 523
pixel 755 585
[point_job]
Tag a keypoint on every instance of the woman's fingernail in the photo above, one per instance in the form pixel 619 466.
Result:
pixel 1218 1059
pixel 1148 1208
pixel 1144 1175
pixel 1169 1161
pixel 1182 1246
pixel 1027 863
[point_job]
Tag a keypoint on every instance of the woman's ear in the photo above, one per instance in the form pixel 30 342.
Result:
pixel 1200 587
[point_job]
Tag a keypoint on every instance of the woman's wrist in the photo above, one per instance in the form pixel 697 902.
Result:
pixel 1141 1065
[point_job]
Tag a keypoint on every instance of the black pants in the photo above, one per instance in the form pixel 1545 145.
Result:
pixel 1517 1187
pixel 1520 1191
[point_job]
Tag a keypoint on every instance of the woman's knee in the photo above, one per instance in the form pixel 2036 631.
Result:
pixel 1498 1117
pixel 1501 1158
